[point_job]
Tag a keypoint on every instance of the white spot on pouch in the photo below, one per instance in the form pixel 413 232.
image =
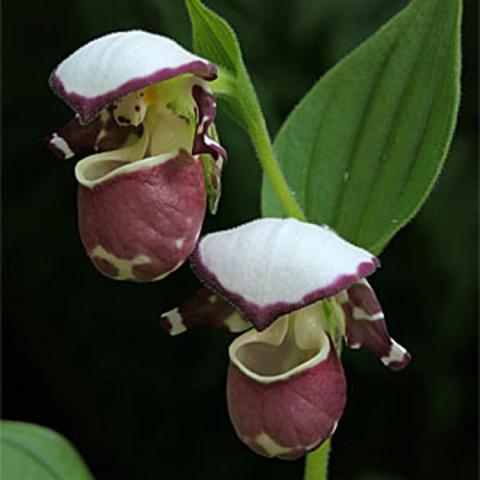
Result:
pixel 273 449
pixel 179 242
pixel 270 446
pixel 168 272
pixel 123 265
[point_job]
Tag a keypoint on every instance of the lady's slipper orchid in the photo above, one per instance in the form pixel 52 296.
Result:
pixel 302 287
pixel 143 102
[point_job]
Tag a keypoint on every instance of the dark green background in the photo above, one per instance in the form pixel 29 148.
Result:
pixel 85 355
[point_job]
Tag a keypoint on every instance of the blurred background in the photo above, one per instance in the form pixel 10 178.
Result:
pixel 85 356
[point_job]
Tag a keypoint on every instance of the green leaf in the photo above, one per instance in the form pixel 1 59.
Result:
pixel 363 149
pixel 31 452
pixel 214 39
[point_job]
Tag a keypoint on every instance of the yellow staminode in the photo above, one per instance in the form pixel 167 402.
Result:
pixel 150 95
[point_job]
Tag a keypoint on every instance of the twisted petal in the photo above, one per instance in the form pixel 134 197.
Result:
pixel 116 64
pixel 100 135
pixel 206 110
pixel 140 220
pixel 365 325
pixel 204 308
pixel 270 267
pixel 205 143
pixel 286 388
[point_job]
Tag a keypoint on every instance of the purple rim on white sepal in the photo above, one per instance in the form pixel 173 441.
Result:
pixel 116 64
pixel 281 262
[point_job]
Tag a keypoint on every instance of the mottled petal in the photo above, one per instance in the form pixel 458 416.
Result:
pixel 270 267
pixel 286 388
pixel 204 308
pixel 206 143
pixel 140 220
pixel 365 325
pixel 206 109
pixel 102 134
pixel 116 64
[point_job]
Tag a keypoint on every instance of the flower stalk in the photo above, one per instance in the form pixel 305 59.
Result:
pixel 264 148
pixel 227 85
pixel 316 463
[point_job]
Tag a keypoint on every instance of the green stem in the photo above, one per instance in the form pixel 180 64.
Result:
pixel 316 464
pixel 227 85
pixel 264 148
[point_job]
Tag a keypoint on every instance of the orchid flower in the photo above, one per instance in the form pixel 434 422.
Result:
pixel 303 288
pixel 143 105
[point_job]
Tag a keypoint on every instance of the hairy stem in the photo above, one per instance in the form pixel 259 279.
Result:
pixel 264 148
pixel 242 92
